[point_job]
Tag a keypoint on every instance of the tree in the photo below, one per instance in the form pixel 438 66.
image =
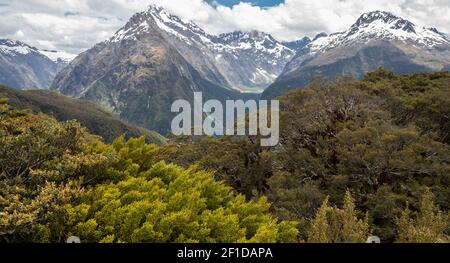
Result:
pixel 428 225
pixel 43 165
pixel 240 163
pixel 320 226
pixel 170 204
pixel 383 137
pixel 334 225
pixel 422 99
pixel 57 180
pixel 346 135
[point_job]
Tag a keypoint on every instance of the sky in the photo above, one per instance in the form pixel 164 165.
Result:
pixel 261 3
pixel 76 25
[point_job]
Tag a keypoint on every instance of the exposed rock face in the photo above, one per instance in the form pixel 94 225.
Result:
pixel 26 67
pixel 377 39
pixel 157 58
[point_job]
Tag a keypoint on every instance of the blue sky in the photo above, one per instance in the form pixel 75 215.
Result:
pixel 262 3
pixel 74 26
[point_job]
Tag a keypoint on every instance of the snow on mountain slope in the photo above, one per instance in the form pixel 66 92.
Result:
pixel 376 39
pixel 25 67
pixel 15 48
pixel 247 61
pixel 58 56
pixel 381 25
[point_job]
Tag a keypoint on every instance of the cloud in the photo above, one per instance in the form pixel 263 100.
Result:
pixel 76 25
pixel 297 18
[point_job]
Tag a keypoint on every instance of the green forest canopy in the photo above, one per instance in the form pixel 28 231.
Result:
pixel 378 148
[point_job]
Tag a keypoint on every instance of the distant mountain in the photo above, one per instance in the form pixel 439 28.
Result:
pixel 59 57
pixel 23 66
pixel 298 44
pixel 250 61
pixel 157 58
pixel 377 39
pixel 95 119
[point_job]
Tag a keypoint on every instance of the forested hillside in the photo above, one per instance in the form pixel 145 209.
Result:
pixel 384 139
pixel 57 180
pixel 356 158
pixel 94 118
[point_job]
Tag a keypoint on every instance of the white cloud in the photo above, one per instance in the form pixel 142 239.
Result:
pixel 75 25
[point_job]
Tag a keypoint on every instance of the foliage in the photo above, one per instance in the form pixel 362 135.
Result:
pixel 43 164
pixel 334 225
pixel 242 164
pixel 89 115
pixel 428 225
pixel 170 204
pixel 422 99
pixel 57 180
pixel 383 137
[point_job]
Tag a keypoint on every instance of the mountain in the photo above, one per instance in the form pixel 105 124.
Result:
pixel 298 45
pixel 95 119
pixel 249 60
pixel 23 66
pixel 243 61
pixel 59 57
pixel 157 58
pixel 377 39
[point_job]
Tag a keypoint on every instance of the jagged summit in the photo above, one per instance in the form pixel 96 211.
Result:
pixel 253 34
pixel 320 35
pixel 143 22
pixel 249 61
pixel 376 39
pixel 380 25
pixel 396 22
pixel 297 45
pixel 15 47
pixel 191 33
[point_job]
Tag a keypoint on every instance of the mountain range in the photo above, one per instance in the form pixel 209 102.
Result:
pixel 157 58
pixel 377 39
pixel 25 67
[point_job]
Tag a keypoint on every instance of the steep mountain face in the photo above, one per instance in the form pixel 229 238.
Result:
pixel 249 60
pixel 298 44
pixel 157 58
pixel 25 67
pixel 244 61
pixel 377 39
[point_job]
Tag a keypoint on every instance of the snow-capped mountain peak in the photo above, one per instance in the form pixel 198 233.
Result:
pixel 254 41
pixel 191 33
pixel 14 47
pixel 141 23
pixel 247 61
pixel 26 67
pixel 380 25
pixel 17 48
pixel 58 56
pixel 377 39
pixel 383 17
pixel 297 45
